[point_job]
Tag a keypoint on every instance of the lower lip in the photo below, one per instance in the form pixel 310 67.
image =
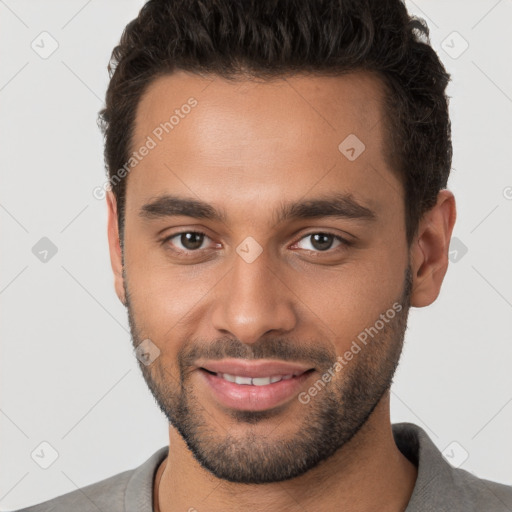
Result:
pixel 246 397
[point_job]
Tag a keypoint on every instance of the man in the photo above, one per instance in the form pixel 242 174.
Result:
pixel 277 202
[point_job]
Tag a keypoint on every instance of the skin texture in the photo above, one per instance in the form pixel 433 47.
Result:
pixel 247 148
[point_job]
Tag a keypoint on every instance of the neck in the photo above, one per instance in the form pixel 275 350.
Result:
pixel 368 473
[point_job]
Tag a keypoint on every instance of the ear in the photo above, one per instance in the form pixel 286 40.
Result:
pixel 429 250
pixel 114 245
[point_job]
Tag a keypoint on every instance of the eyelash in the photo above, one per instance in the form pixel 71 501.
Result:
pixel 343 242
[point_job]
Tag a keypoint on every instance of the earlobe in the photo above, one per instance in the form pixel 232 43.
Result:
pixel 116 258
pixel 429 250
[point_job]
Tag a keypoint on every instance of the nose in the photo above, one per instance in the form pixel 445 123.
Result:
pixel 252 301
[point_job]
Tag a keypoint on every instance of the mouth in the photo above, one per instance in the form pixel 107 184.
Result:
pixel 251 385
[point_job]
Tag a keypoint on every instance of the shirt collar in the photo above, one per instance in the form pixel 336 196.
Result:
pixel 434 472
pixel 139 490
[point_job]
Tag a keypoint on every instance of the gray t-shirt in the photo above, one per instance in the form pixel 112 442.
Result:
pixel 439 486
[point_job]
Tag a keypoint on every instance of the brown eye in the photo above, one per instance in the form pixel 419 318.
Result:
pixel 192 240
pixel 322 242
pixel 187 240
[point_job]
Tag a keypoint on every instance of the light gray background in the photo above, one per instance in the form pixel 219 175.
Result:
pixel 68 373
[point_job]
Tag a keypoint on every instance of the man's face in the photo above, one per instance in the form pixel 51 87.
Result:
pixel 258 293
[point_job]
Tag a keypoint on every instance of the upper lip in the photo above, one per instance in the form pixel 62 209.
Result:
pixel 262 368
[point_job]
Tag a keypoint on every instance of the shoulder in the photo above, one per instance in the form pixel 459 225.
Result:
pixel 107 494
pixel 133 487
pixel 442 487
pixel 482 494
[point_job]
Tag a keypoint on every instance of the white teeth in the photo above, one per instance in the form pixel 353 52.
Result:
pixel 243 380
pixel 260 381
pixel 254 381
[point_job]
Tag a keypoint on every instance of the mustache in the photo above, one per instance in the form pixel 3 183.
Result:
pixel 271 348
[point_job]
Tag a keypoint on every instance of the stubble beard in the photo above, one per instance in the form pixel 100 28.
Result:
pixel 258 455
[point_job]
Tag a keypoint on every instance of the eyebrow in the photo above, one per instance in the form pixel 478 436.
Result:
pixel 340 205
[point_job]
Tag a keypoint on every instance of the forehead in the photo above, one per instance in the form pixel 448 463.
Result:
pixel 235 141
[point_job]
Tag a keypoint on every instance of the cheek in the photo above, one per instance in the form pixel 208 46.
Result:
pixel 165 296
pixel 348 299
